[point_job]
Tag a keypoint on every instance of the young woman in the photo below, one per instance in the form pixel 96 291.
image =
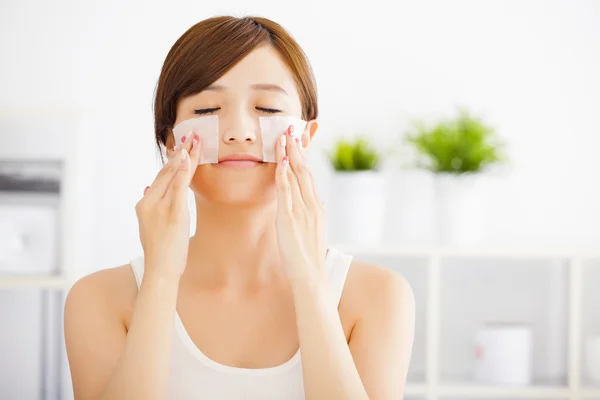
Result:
pixel 254 305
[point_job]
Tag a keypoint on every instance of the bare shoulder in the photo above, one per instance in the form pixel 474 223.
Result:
pixel 97 314
pixel 372 288
pixel 111 289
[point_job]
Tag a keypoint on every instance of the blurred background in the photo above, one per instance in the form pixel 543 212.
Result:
pixel 458 145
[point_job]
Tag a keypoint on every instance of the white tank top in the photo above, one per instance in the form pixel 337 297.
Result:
pixel 195 376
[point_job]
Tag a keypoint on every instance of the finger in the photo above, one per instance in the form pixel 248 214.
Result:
pixel 159 186
pixel 300 169
pixel 305 140
pixel 284 194
pixel 186 142
pixel 297 201
pixel 280 148
pixel 177 192
pixel 195 155
pixel 315 193
pixel 191 143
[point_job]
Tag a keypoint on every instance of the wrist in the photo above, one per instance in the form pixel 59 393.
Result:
pixel 160 276
pixel 314 287
pixel 305 272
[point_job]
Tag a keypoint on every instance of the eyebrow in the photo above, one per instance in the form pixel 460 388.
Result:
pixel 257 86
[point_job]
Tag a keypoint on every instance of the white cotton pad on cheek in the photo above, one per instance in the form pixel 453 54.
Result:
pixel 271 128
pixel 207 128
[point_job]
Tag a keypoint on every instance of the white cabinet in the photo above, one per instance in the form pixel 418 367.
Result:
pixel 554 292
pixel 43 173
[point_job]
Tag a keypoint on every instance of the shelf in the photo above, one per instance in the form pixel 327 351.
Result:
pixel 486 391
pixel 39 282
pixel 533 293
pixel 57 282
pixel 507 253
pixel 494 392
pixel 589 394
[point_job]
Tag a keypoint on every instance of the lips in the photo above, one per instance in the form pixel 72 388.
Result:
pixel 240 160
pixel 240 157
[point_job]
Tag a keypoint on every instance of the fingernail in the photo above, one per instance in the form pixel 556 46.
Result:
pixel 291 130
pixel 282 141
pixel 146 189
pixel 297 140
pixel 285 160
pixel 196 138
pixel 183 154
pixel 183 139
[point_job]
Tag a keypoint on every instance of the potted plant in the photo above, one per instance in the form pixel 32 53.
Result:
pixel 457 150
pixel 357 192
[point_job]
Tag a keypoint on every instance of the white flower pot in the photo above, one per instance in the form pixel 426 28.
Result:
pixel 410 221
pixel 503 354
pixel 459 210
pixel 356 207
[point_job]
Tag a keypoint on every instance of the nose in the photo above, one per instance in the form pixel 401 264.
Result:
pixel 243 129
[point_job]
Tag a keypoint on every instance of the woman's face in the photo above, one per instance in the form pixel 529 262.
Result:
pixel 260 85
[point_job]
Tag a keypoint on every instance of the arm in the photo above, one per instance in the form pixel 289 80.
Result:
pixel 106 361
pixel 375 363
pixel 382 339
pixel 327 365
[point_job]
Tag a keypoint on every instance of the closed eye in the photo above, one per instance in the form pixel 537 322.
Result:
pixel 268 110
pixel 205 111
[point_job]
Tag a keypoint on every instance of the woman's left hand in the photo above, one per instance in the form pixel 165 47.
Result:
pixel 300 220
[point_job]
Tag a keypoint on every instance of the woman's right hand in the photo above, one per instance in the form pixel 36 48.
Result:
pixel 163 214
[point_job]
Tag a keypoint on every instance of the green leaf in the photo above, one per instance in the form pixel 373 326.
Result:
pixel 356 155
pixel 461 145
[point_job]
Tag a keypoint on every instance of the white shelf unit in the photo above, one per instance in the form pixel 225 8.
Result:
pixel 41 135
pixel 432 387
pixel 58 135
pixel 435 259
pixel 38 282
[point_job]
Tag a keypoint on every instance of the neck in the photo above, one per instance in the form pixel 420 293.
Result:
pixel 234 245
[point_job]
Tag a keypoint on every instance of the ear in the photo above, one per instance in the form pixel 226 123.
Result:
pixel 311 128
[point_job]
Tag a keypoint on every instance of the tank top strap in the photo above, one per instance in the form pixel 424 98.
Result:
pixel 338 265
pixel 137 266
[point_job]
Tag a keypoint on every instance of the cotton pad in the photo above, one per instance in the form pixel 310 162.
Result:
pixel 271 128
pixel 207 128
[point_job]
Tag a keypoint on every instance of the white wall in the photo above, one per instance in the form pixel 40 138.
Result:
pixel 526 65
pixel 529 66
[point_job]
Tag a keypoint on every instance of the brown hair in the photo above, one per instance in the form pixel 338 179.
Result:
pixel 207 50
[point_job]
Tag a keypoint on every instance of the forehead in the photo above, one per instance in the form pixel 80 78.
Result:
pixel 263 65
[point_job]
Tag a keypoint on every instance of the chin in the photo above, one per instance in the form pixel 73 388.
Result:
pixel 235 186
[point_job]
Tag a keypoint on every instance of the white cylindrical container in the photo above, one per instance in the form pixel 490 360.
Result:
pixel 503 354
pixel 592 358
pixel 459 210
pixel 356 210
